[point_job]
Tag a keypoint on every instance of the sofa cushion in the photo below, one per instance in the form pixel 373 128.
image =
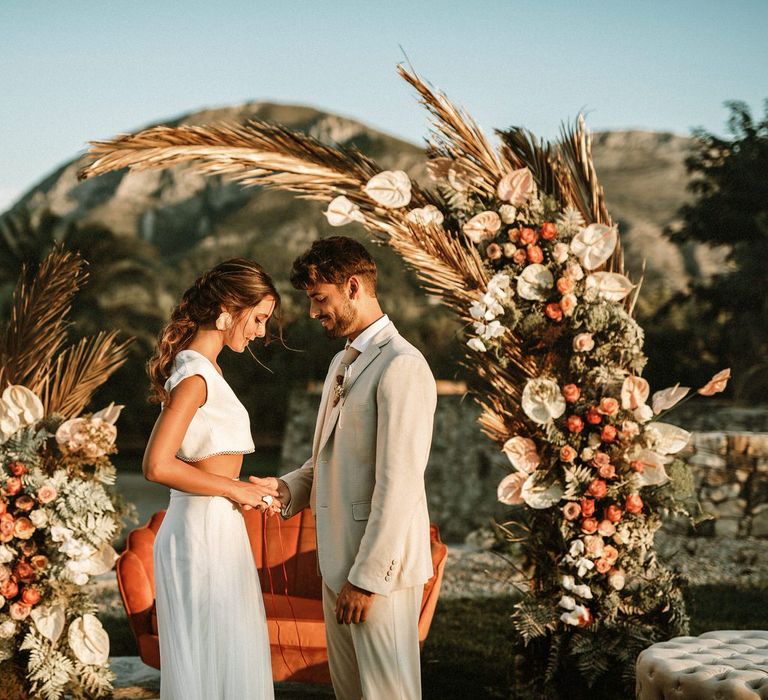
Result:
pixel 307 628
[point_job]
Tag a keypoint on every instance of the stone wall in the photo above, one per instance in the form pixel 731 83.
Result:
pixel 730 468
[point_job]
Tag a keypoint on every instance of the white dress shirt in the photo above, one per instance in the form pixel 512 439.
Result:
pixel 364 339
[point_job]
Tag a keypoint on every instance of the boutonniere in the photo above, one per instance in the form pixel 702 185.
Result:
pixel 339 390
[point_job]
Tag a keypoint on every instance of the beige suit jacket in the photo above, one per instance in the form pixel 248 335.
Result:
pixel 365 478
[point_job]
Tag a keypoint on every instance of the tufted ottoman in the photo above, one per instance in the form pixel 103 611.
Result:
pixel 722 665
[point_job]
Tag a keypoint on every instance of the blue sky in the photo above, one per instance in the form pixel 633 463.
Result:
pixel 84 69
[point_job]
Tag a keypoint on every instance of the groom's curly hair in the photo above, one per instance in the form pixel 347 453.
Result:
pixel 333 261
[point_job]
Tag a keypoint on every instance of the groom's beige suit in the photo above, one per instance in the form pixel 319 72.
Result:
pixel 365 484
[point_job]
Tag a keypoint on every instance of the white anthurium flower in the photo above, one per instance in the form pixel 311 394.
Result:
pixel 49 621
pixel 568 582
pixel 507 213
pixel 477 344
pixel 426 216
pixel 522 454
pixel 510 489
pixel 9 422
pixel 668 438
pixel 540 497
pixel 482 226
pixel 610 286
pixel 101 562
pixel 6 554
pixel 653 473
pixel 666 398
pixel 391 189
pixel 59 533
pixel 516 187
pixel 89 640
pixel 567 602
pixel 110 414
pixel 542 400
pixel 535 282
pixel 634 392
pixel 594 245
pixel 584 566
pixel 583 591
pixel 342 211
pixel 643 413
pixel 25 403
pixel 477 310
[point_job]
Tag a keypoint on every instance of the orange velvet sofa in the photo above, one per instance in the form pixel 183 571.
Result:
pixel 286 557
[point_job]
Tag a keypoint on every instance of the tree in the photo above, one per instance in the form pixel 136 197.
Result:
pixel 728 313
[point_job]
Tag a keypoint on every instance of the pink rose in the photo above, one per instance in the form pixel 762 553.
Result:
pixel 593 416
pixel 519 257
pixel 606 528
pixel 589 526
pixel 634 504
pixel 17 468
pixel 567 453
pixel 514 235
pixel 601 459
pixel 494 251
pixel 583 342
pixel 39 561
pixel 608 433
pixel 24 572
pixel 608 406
pixel 602 566
pixel 5 573
pixel 571 510
pixel 19 611
pixel 607 471
pixel 565 285
pixel 6 527
pixel 30 596
pixel 528 236
pixel 23 528
pixel 46 493
pixel 611 554
pixel 571 393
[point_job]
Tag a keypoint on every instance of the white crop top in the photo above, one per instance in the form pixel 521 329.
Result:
pixel 221 425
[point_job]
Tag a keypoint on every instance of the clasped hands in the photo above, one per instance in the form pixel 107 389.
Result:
pixel 253 492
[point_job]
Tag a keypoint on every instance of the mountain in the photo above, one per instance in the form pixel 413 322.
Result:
pixel 178 223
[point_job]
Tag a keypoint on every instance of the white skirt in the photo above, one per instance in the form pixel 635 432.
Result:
pixel 214 643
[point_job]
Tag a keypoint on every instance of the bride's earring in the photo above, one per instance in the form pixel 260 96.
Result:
pixel 224 321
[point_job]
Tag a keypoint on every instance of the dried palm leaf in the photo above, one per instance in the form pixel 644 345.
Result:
pixel 36 330
pixel 456 135
pixel 80 370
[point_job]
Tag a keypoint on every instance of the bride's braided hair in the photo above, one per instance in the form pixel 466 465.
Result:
pixel 237 284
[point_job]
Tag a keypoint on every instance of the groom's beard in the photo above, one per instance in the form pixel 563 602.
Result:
pixel 346 320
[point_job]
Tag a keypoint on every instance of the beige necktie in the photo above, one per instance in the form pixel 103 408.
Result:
pixel 349 356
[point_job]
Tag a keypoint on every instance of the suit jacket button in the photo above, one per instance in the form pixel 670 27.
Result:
pixel 387 577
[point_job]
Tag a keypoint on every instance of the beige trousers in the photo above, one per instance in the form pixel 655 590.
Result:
pixel 377 659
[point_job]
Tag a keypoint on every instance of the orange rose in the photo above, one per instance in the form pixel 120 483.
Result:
pixel 535 254
pixel 25 502
pixel 24 572
pixel 528 236
pixel 17 468
pixel 571 393
pixel 587 507
pixel 601 459
pixel 23 528
pixel 567 453
pixel 610 554
pixel 9 588
pixel 634 504
pixel 574 424
pixel 593 416
pixel 613 513
pixel 565 285
pixel 597 488
pixel 6 527
pixel 608 433
pixel 30 596
pixel 548 231
pixel 519 256
pixel 607 471
pixel 589 526
pixel 553 311
pixel 3 507
pixel 12 486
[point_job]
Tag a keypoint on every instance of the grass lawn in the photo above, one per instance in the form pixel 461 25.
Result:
pixel 468 653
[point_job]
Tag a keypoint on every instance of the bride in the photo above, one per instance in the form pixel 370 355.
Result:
pixel 211 622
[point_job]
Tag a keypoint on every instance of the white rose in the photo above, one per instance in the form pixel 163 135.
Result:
pixel 583 342
pixel 574 271
pixel 630 428
pixel 507 213
pixel 6 554
pixel 616 579
pixel 560 253
pixel 542 400
pixel 59 533
pixel 643 413
pixel 509 249
pixel 88 639
pixel 39 517
pixel 593 546
pixel 7 629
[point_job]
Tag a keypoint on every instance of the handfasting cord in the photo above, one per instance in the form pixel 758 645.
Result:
pixel 285 590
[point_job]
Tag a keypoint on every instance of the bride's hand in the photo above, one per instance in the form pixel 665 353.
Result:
pixel 250 494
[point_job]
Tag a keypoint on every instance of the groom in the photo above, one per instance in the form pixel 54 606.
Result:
pixel 365 478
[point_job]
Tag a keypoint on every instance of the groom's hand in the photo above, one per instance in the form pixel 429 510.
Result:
pixel 353 604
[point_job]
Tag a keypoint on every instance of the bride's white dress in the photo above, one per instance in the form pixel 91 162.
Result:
pixel 210 613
